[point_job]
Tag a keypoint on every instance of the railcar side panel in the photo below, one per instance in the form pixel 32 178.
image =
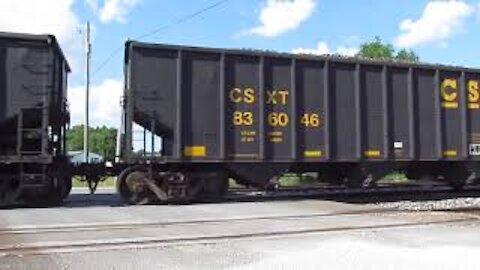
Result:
pixel 242 118
pixel 153 104
pixel 345 135
pixel 472 94
pixel 427 118
pixel 278 113
pixel 452 104
pixel 201 106
pixel 312 106
pixel 401 113
pixel 372 94
pixel 29 73
pixel 232 105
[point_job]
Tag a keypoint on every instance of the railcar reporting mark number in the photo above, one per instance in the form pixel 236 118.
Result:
pixel 245 117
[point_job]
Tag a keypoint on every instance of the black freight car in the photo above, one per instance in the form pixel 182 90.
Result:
pixel 195 117
pixel 33 118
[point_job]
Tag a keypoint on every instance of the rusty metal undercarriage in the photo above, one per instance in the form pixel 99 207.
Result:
pixel 144 184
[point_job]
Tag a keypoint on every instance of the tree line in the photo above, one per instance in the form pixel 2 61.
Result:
pixel 378 49
pixel 102 140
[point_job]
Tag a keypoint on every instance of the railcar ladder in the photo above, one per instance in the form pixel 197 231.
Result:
pixel 32 141
pixel 27 132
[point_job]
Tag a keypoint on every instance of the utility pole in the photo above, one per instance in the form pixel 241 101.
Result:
pixel 88 51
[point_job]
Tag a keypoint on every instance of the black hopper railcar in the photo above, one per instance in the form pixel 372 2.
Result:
pixel 195 117
pixel 34 168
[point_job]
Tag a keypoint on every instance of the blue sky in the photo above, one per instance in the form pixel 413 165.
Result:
pixel 338 23
pixel 439 31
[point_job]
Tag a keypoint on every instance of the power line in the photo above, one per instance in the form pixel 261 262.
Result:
pixel 183 19
pixel 161 28
pixel 107 60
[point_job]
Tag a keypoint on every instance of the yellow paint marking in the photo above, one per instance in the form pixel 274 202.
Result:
pixel 372 153
pixel 474 92
pixel 276 139
pixel 450 153
pixel 195 151
pixel 448 89
pixel 450 105
pixel 275 133
pixel 312 153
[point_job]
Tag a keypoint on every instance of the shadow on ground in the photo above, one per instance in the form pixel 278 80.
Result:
pixel 110 198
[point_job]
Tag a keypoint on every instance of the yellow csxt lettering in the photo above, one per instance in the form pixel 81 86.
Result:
pixel 277 96
pixel 242 118
pixel 246 95
pixel 449 89
pixel 473 91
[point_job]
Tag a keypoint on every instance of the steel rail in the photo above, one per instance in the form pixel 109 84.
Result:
pixel 152 242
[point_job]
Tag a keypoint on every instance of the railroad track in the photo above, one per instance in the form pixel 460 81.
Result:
pixel 22 241
pixel 127 226
pixel 381 192
pixel 373 194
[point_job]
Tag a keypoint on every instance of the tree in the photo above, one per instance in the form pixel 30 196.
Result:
pixel 377 49
pixel 407 56
pixel 75 138
pixel 102 140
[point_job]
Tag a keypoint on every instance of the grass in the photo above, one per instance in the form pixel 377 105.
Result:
pixel 394 178
pixel 292 179
pixel 287 180
pixel 108 182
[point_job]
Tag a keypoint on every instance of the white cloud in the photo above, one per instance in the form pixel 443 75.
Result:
pixel 347 51
pixel 113 10
pixel 104 103
pixel 280 16
pixel 322 48
pixel 44 17
pixel 439 21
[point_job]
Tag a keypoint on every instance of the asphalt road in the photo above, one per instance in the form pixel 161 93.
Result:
pixel 98 232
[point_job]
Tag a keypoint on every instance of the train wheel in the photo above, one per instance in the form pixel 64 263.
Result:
pixel 132 187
